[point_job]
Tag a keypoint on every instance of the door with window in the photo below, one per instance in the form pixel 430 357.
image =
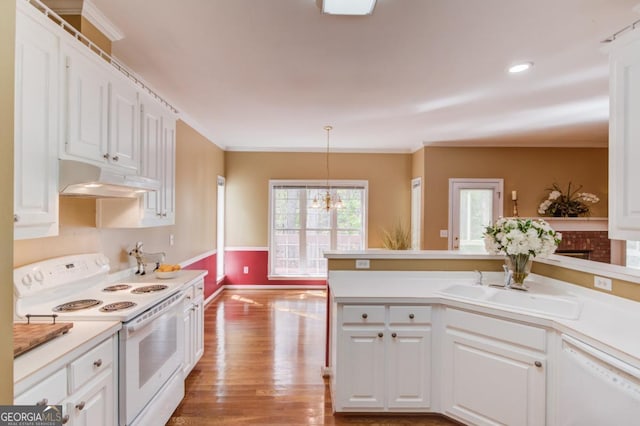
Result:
pixel 473 204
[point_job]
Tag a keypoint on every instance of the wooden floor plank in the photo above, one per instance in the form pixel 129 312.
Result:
pixel 262 365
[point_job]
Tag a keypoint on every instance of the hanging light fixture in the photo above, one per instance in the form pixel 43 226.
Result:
pixel 328 201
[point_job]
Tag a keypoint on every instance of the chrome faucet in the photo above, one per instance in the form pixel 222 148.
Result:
pixel 508 275
pixel 478 277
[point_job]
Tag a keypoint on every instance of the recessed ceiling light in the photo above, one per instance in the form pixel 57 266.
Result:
pixel 348 7
pixel 523 66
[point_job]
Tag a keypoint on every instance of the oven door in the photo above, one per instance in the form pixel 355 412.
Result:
pixel 151 350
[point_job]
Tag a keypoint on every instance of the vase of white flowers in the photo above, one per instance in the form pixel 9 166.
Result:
pixel 520 240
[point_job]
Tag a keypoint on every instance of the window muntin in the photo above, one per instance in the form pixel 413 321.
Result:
pixel 300 233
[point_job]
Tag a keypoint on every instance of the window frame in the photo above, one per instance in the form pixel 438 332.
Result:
pixel 343 183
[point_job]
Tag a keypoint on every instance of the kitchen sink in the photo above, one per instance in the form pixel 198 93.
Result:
pixel 557 305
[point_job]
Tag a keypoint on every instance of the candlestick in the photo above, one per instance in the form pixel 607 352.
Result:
pixel 514 195
pixel 515 208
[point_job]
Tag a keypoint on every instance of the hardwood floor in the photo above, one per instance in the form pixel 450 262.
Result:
pixel 262 365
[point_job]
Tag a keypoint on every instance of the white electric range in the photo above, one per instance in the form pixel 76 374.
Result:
pixel 151 339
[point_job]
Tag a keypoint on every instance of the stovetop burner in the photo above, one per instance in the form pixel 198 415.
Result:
pixel 117 306
pixel 149 288
pixel 117 287
pixel 77 305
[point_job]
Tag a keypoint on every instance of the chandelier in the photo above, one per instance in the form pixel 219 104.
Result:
pixel 328 201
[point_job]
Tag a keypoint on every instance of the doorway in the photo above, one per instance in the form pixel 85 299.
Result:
pixel 473 205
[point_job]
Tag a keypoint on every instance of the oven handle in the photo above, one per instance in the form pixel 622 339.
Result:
pixel 177 299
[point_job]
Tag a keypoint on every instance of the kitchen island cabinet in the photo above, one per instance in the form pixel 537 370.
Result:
pixel 383 358
pixel 493 371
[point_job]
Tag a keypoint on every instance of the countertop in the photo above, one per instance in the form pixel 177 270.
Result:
pixel 607 322
pixel 34 365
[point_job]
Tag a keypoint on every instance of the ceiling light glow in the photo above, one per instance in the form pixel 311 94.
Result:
pixel 514 69
pixel 348 7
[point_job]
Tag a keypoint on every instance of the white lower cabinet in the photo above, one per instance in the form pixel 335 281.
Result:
pixel 85 387
pixel 493 370
pixel 383 358
pixel 193 326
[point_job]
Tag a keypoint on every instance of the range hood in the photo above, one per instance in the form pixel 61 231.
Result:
pixel 87 180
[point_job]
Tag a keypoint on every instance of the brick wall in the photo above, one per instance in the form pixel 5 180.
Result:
pixel 596 243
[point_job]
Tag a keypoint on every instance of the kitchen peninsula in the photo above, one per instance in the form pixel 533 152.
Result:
pixel 424 332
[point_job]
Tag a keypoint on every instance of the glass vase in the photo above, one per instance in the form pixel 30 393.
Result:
pixel 520 266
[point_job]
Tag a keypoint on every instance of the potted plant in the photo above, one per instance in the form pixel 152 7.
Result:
pixel 567 204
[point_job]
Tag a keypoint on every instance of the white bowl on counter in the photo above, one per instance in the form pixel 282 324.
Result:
pixel 167 275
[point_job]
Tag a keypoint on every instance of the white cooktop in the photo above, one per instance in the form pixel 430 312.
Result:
pixel 40 287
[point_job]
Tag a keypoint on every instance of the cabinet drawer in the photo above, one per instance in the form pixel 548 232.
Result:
pixel 51 390
pixel 410 315
pixel 90 364
pixel 514 333
pixel 363 314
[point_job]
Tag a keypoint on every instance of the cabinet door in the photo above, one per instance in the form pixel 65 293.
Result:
pixel 360 369
pixel 87 94
pixel 36 130
pixel 93 405
pixel 624 133
pixel 188 338
pixel 151 146
pixel 488 383
pixel 198 328
pixel 168 202
pixel 124 148
pixel 409 368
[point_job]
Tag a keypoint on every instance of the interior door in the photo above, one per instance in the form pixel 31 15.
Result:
pixel 473 204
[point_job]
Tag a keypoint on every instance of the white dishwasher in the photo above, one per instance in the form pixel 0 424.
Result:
pixel 595 388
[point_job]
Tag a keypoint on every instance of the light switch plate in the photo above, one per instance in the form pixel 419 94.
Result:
pixel 444 233
pixel 362 264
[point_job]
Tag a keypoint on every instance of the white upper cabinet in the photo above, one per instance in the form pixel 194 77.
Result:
pixel 624 138
pixel 36 127
pixel 101 117
pixel 158 145
pixel 124 145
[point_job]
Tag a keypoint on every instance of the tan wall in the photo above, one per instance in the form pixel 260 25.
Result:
pixel 7 46
pixel 530 171
pixel 248 175
pixel 198 162
pixel 93 34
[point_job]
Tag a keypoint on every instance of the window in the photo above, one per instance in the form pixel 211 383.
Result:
pixel 633 254
pixel 300 233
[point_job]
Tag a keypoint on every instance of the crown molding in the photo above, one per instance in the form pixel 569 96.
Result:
pixel 91 12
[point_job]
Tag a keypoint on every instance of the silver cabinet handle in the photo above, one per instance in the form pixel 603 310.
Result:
pixel 364 316
pixel 65 419
pixel 43 401
pixel 115 158
pixel 380 334
pixel 411 316
pixel 106 156
pixel 537 364
pixel 394 335
pixel 98 362
pixel 80 406
pixel 16 218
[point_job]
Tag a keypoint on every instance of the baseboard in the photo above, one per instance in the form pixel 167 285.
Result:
pixel 274 287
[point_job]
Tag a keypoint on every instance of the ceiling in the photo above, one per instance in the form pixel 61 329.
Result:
pixel 269 75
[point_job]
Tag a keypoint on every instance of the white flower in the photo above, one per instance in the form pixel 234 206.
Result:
pixel 554 195
pixel 521 236
pixel 588 197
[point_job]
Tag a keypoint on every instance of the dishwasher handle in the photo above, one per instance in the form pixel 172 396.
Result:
pixel 604 357
pixel 153 313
